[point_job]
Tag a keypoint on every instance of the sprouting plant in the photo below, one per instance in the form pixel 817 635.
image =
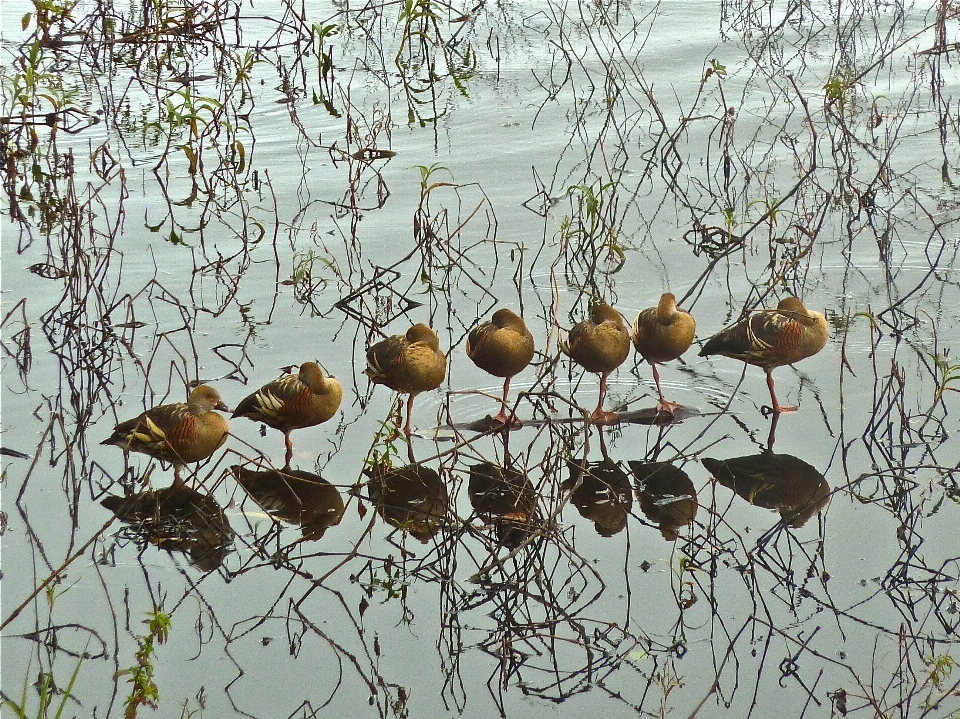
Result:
pixel 46 689
pixel 144 689
pixel 426 226
pixel 838 90
pixel 384 449
pixel 947 374
pixel 686 594
pixel 306 280
pixel 392 582
pixel 46 686
pixel 592 223
pixel 324 55
pixel 185 109
pixel 716 68
pixel 33 85
pixel 729 219
pixel 940 669
pixel 769 206
pixel 47 14
pixel 426 173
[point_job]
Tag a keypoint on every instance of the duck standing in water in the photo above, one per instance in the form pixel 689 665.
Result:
pixel 294 401
pixel 502 346
pixel 599 344
pixel 410 363
pixel 661 334
pixel 179 433
pixel 771 339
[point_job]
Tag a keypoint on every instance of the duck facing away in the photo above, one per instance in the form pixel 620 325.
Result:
pixel 502 346
pixel 294 401
pixel 661 334
pixel 410 363
pixel 772 338
pixel 180 433
pixel 599 344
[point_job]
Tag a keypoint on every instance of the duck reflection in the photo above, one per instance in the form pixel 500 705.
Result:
pixel 666 495
pixel 412 498
pixel 177 519
pixel 774 481
pixel 295 497
pixel 505 498
pixel 603 495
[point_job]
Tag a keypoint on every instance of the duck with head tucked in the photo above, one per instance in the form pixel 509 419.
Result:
pixel 502 346
pixel 661 334
pixel 410 363
pixel 599 344
pixel 179 433
pixel 294 401
pixel 771 339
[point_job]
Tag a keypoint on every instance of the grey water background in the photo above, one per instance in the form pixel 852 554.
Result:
pixel 532 155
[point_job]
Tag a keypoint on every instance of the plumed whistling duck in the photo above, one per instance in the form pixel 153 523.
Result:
pixel 179 433
pixel 294 401
pixel 599 344
pixel 502 346
pixel 661 334
pixel 772 338
pixel 411 363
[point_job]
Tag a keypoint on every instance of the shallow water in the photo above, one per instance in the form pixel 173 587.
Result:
pixel 556 153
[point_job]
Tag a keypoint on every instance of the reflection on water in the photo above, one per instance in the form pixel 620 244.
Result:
pixel 666 496
pixel 774 481
pixel 505 498
pixel 294 496
pixel 209 192
pixel 601 493
pixel 412 498
pixel 177 519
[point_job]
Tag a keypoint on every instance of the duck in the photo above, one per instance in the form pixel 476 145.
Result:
pixel 666 495
pixel 772 338
pixel 599 344
pixel 181 433
pixel 661 334
pixel 410 363
pixel 294 401
pixel 503 347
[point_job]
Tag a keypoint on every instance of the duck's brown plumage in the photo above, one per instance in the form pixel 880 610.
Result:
pixel 410 363
pixel 772 338
pixel 294 401
pixel 599 344
pixel 502 346
pixel 661 334
pixel 179 433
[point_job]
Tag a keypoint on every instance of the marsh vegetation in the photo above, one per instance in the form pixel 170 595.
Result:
pixel 215 193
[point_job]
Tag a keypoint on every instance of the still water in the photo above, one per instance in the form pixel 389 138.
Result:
pixel 222 192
